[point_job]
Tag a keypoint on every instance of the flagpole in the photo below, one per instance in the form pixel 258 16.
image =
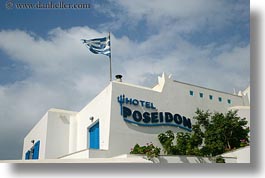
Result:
pixel 110 71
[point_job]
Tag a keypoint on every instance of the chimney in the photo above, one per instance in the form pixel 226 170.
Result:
pixel 118 78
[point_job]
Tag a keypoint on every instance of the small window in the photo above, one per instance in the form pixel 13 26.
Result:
pixel 33 152
pixel 201 95
pixel 229 101
pixel 220 99
pixel 191 93
pixel 211 97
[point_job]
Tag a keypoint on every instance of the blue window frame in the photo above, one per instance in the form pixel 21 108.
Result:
pixel 93 135
pixel 220 99
pixel 191 93
pixel 211 97
pixel 201 95
pixel 229 101
pixel 27 155
pixel 36 149
pixel 33 153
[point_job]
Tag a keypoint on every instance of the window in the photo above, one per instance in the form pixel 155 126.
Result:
pixel 220 99
pixel 201 95
pixel 33 152
pixel 191 93
pixel 27 155
pixel 36 149
pixel 211 97
pixel 229 101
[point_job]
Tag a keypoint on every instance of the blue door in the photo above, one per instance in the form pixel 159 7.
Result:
pixel 27 155
pixel 94 136
pixel 36 149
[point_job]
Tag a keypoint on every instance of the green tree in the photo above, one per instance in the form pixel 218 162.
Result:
pixel 202 119
pixel 186 143
pixel 183 143
pixel 225 132
pixel 166 140
pixel 212 134
pixel 149 150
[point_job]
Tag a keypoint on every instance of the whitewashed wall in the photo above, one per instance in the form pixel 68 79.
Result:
pixel 241 155
pixel 58 133
pixel 99 109
pixel 64 132
pixel 38 132
pixel 167 96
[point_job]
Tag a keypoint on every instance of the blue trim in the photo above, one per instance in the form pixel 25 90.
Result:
pixel 36 150
pixel 162 124
pixel 27 155
pixel 229 101
pixel 94 136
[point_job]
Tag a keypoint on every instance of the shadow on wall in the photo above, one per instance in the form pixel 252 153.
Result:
pixel 183 159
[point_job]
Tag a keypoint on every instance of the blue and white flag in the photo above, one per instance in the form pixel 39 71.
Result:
pixel 98 45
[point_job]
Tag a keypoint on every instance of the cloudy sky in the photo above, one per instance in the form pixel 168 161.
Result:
pixel 43 63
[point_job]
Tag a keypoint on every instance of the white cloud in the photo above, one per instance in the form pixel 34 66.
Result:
pixel 237 59
pixel 157 9
pixel 178 15
pixel 63 76
pixel 192 64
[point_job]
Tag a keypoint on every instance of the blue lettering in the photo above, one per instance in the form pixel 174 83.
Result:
pixel 146 117
pixel 147 104
pixel 126 112
pixel 151 118
pixel 127 100
pixel 168 117
pixel 186 122
pixel 178 119
pixel 142 103
pixel 135 102
pixel 154 117
pixel 137 116
pixel 161 117
pixel 152 106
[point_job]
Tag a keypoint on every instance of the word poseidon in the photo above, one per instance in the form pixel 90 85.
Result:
pixel 147 118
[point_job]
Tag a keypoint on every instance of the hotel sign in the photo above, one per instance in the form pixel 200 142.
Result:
pixel 145 113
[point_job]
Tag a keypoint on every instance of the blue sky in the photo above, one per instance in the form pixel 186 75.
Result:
pixel 43 63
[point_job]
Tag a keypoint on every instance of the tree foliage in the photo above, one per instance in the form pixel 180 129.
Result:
pixel 213 134
pixel 166 139
pixel 149 150
pixel 225 132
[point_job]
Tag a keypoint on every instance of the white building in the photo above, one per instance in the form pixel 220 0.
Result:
pixel 123 115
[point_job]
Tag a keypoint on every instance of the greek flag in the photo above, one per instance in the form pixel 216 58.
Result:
pixel 98 45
